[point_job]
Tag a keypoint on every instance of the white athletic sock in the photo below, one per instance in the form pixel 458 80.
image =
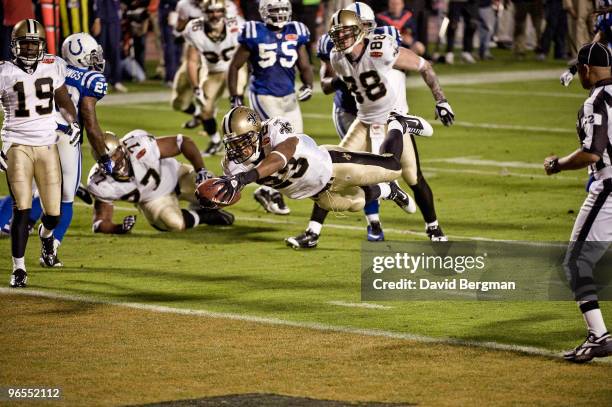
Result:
pixel 215 138
pixel 385 190
pixel 374 217
pixel 44 232
pixel 595 322
pixel 18 263
pixel 315 227
pixel 431 225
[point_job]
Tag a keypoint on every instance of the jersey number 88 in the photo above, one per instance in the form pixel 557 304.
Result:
pixel 372 85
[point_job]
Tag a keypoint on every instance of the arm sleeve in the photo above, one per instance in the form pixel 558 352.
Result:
pixel 95 85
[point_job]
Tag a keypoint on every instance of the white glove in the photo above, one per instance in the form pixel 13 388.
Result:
pixel 199 96
pixel 74 133
pixel 566 77
pixel 305 93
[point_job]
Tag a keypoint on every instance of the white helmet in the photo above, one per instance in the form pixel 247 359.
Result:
pixel 365 13
pixel 276 13
pixel 82 51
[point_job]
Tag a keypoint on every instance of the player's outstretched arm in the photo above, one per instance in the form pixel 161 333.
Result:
pixel 240 58
pixel 575 161
pixel 90 120
pixel 103 220
pixel 408 60
pixel 306 74
pixel 174 145
pixel 193 68
pixel 275 161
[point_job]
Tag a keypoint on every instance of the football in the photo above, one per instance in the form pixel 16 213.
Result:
pixel 207 191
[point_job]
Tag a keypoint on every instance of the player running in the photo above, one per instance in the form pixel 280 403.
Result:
pixel 273 48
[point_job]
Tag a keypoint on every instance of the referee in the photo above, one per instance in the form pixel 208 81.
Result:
pixel 592 233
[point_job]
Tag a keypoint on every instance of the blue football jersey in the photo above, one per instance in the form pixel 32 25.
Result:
pixel 343 99
pixel 603 22
pixel 274 55
pixel 82 82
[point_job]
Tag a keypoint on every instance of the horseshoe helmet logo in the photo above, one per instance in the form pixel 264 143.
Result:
pixel 79 50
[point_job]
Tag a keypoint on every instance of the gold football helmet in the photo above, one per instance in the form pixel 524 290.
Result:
pixel 346 30
pixel 242 135
pixel 212 10
pixel 28 41
pixel 116 152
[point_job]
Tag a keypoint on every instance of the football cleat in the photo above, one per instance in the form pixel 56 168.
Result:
pixel 212 149
pixel 307 240
pixel 435 234
pixel 592 347
pixel 84 195
pixel 271 200
pixel 48 251
pixel 215 217
pixel 412 124
pixel 375 232
pixel 401 198
pixel 19 279
pixel 192 123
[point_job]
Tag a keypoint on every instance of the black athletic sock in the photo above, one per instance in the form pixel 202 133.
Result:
pixel 188 219
pixel 210 126
pixel 372 193
pixel 217 217
pixel 190 110
pixel 318 214
pixel 19 232
pixel 424 198
pixel 393 144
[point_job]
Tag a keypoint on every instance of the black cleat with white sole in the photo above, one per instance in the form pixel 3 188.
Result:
pixel 19 279
pixel 212 149
pixel 48 251
pixel 401 198
pixel 435 234
pixel 411 124
pixel 307 240
pixel 271 201
pixel 592 347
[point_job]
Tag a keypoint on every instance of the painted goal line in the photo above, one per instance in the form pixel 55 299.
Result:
pixel 529 350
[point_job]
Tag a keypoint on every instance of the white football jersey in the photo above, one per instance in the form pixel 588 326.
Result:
pixel 377 88
pixel 152 177
pixel 305 174
pixel 188 9
pixel 28 101
pixel 216 53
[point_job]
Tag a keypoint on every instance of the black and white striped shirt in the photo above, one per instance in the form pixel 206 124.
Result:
pixel 594 125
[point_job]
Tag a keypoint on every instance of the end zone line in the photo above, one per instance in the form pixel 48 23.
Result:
pixel 359 305
pixel 529 350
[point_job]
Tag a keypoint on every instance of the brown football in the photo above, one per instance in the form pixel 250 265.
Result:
pixel 207 191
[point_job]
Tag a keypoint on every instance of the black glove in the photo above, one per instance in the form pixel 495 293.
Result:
pixel 444 112
pixel 236 101
pixel 202 175
pixel 234 184
pixel 305 93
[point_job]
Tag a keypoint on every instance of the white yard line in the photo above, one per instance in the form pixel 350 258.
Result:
pixel 476 160
pixel 411 82
pixel 359 305
pixel 530 350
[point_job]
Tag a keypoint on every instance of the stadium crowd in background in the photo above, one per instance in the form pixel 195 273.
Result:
pixel 133 31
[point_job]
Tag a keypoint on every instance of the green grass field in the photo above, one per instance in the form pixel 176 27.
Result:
pixel 488 184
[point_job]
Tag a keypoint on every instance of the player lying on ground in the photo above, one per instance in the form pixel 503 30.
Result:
pixel 146 173
pixel 270 153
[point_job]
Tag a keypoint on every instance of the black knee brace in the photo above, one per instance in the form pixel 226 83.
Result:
pixel 50 222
